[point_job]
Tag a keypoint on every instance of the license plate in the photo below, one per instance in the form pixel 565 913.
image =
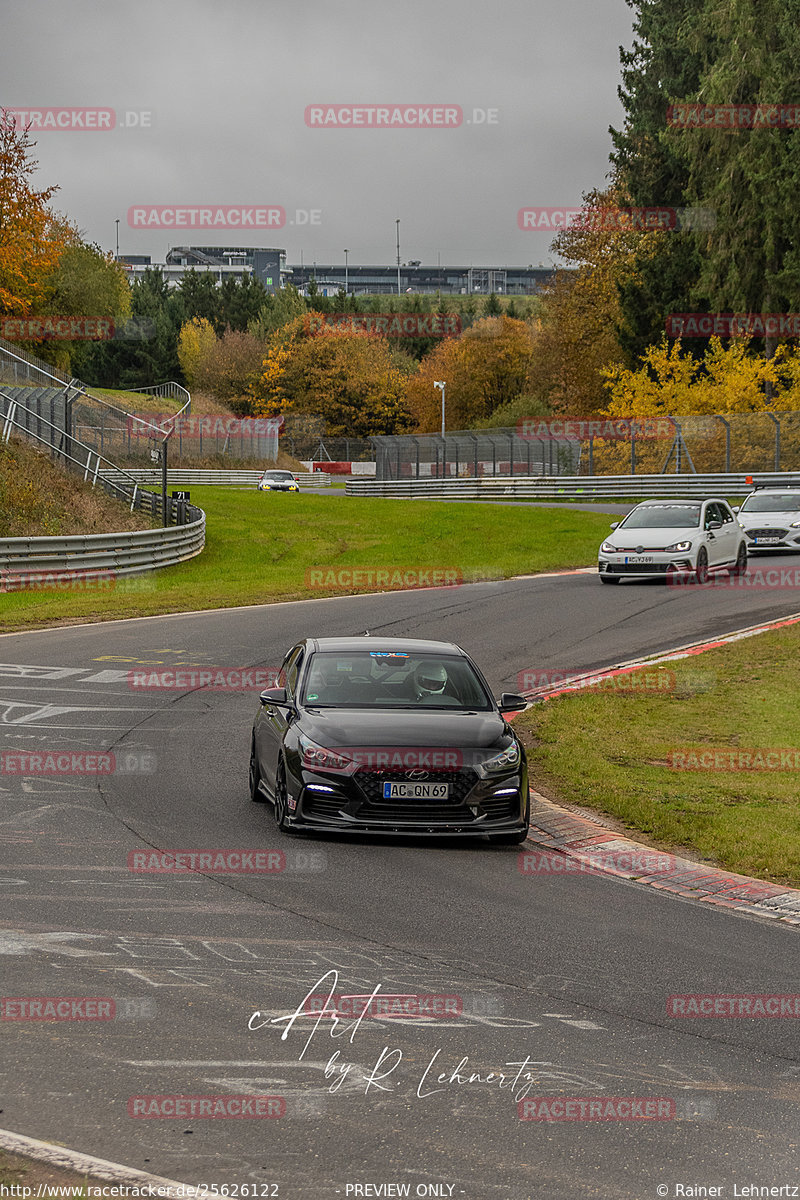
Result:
pixel 415 791
pixel 639 558
pixel 766 541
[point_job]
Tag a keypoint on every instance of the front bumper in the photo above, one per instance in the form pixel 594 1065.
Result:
pixel 660 565
pixel 271 487
pixel 475 807
pixel 776 539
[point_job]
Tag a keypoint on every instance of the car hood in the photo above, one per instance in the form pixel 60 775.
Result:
pixel 402 727
pixel 651 539
pixel 781 520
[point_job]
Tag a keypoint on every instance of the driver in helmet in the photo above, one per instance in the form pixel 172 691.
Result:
pixel 430 679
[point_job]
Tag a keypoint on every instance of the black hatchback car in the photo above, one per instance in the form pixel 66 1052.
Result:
pixel 389 736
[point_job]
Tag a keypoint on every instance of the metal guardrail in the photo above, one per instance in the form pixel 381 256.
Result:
pixel 571 487
pixel 61 561
pixel 185 477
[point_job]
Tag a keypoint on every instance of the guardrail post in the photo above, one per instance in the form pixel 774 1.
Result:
pixel 511 454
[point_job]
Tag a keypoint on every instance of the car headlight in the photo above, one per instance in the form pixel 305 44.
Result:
pixel 607 548
pixel 795 525
pixel 681 547
pixel 506 760
pixel 322 758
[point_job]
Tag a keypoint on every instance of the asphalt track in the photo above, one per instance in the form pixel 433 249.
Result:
pixel 568 975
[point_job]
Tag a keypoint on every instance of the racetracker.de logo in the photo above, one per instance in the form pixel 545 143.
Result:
pixel 56 581
pixel 738 758
pixel 59 120
pixel 221 216
pixel 207 1108
pixel 745 1004
pixel 388 116
pixel 537 430
pixel 540 678
pixel 384 1006
pixel 596 1108
pixel 353 579
pixel 212 679
pixel 218 862
pixel 734 116
pixel 401 325
pixel 596 862
pixel 706 325
pixel 57 329
pixel 757 579
pixel 139 425
pixel 57 1008
pixel 626 220
pixel 349 759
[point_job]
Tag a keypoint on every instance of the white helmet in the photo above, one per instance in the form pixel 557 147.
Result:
pixel 430 678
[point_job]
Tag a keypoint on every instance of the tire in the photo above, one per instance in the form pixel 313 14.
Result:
pixel 701 569
pixel 279 804
pixel 740 566
pixel 609 578
pixel 254 775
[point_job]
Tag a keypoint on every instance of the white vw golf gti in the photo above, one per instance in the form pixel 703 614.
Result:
pixel 670 538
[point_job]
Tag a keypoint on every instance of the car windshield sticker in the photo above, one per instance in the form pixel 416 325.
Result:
pixel 388 654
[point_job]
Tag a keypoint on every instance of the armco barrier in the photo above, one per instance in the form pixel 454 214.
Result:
pixel 180 477
pixel 103 554
pixel 570 487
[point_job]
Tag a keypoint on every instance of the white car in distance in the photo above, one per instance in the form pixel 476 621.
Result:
pixel 770 516
pixel 673 537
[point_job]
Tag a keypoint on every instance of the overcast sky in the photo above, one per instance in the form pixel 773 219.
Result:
pixel 226 84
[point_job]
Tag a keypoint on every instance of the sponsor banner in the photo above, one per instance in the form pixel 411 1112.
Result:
pixel 626 220
pixel 349 759
pixel 596 1108
pixel 410 325
pixel 349 579
pixel 705 325
pixel 217 862
pixel 207 1107
pixel 57 1008
pixel 384 1006
pixel 197 216
pixel 737 758
pixel 733 116
pixel 745 1004
pixel 200 427
pixel 213 679
pixel 617 429
pixel 655 679
pixel 56 581
pixel 389 116
pixel 593 861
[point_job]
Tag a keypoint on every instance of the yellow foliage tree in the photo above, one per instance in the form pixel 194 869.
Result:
pixel 31 241
pixel 196 340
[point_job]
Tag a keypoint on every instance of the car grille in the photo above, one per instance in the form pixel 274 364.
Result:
pixel 637 568
pixel 753 533
pixel 366 802
pixel 324 808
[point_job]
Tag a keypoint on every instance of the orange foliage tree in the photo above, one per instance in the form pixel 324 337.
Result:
pixel 31 241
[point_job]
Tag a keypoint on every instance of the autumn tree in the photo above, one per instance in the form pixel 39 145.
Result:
pixel 483 369
pixel 346 377
pixel 195 341
pixel 29 246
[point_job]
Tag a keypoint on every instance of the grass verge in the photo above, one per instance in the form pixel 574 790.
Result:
pixel 260 545
pixel 615 751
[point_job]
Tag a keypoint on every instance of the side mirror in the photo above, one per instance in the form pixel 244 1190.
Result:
pixel 613 525
pixel 715 524
pixel 736 508
pixel 275 696
pixel 511 702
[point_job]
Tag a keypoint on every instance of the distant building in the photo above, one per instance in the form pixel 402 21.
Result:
pixel 269 265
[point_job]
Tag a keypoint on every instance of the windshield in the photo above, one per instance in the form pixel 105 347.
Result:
pixel 277 475
pixel 385 679
pixel 785 502
pixel 663 516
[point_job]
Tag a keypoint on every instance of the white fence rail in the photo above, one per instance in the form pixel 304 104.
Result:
pixel 571 487
pixel 63 561
pixel 185 477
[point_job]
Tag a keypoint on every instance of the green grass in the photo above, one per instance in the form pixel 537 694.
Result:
pixel 609 751
pixel 260 546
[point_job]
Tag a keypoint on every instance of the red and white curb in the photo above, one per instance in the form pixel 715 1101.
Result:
pixel 605 852
pixel 95 1168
